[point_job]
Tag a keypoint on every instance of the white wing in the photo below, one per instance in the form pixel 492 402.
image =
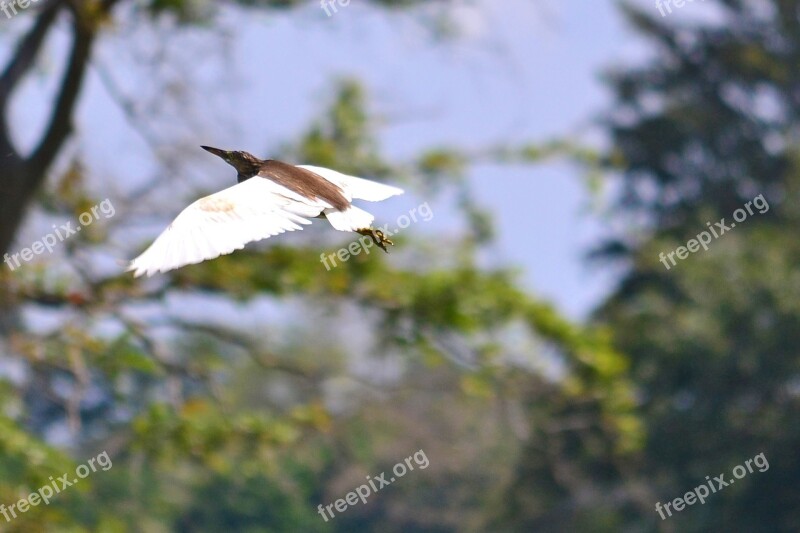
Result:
pixel 225 221
pixel 357 188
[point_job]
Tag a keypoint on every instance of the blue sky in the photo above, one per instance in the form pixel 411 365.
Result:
pixel 517 71
pixel 521 71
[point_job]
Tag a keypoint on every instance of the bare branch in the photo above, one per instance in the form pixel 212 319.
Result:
pixel 60 125
pixel 21 62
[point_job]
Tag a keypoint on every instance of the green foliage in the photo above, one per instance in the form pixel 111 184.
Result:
pixel 217 425
pixel 711 340
pixel 206 441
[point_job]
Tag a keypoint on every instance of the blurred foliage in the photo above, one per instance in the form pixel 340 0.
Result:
pixel 300 382
pixel 698 131
pixel 217 425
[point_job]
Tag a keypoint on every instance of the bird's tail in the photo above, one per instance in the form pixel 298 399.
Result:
pixel 351 219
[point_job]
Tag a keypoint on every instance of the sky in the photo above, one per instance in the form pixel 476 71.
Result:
pixel 513 72
pixel 517 71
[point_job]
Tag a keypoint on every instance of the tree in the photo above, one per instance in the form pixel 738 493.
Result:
pixel 705 126
pixel 193 409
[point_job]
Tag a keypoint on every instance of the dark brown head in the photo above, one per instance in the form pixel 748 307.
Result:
pixel 246 164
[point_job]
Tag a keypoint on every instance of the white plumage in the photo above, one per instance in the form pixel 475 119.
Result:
pixel 354 187
pixel 253 210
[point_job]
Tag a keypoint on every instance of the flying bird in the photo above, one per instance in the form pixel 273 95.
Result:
pixel 271 197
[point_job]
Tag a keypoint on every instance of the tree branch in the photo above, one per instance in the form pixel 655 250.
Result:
pixel 21 62
pixel 60 125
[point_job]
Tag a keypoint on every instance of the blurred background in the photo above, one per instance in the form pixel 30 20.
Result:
pixel 526 338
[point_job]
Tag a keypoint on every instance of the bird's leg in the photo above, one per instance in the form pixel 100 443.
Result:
pixel 378 237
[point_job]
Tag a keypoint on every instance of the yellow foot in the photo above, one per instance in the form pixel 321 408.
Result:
pixel 377 236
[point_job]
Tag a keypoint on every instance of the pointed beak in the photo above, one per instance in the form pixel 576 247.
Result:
pixel 215 151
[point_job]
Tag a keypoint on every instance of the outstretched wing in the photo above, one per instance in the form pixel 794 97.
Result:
pixel 355 188
pixel 225 221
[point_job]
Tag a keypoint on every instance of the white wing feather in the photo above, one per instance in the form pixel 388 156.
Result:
pixel 225 221
pixel 354 187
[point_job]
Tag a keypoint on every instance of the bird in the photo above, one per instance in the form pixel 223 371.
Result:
pixel 269 198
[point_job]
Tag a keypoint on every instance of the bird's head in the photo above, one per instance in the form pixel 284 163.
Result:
pixel 245 163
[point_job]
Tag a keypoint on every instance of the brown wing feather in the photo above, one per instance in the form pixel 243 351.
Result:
pixel 304 182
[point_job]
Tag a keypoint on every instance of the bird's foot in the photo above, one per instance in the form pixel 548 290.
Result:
pixel 378 237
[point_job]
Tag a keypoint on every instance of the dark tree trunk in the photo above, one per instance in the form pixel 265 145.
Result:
pixel 12 198
pixel 21 175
